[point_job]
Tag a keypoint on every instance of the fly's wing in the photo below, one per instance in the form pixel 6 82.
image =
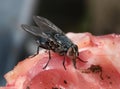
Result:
pixel 33 30
pixel 41 36
pixel 47 26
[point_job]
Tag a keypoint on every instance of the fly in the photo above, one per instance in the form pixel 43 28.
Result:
pixel 50 37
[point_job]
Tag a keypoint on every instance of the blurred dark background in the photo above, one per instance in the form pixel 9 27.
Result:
pixel 96 16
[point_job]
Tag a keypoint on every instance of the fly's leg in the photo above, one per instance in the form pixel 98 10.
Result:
pixel 38 48
pixel 64 62
pixel 101 75
pixel 74 63
pixel 82 60
pixel 47 61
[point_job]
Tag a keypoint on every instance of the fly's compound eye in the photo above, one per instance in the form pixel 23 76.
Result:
pixel 76 50
pixel 75 47
pixel 73 51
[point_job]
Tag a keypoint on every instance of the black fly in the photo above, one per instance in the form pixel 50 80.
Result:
pixel 50 37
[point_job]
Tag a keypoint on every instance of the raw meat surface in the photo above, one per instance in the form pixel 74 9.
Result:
pixel 102 71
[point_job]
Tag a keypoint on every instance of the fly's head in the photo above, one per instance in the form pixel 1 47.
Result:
pixel 72 52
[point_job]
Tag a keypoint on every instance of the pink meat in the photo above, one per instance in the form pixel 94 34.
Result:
pixel 102 51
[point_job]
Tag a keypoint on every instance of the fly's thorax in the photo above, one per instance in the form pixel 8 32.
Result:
pixel 72 52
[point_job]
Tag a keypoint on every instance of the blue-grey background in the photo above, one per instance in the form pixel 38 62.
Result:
pixel 96 16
